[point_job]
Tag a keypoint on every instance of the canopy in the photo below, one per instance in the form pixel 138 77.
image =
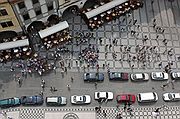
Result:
pixel 53 29
pixel 104 8
pixel 14 44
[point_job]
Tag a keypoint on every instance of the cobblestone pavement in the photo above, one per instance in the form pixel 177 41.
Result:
pixel 89 113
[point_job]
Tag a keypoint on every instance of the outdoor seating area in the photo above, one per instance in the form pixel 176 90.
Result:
pixel 55 35
pixel 16 48
pixel 98 15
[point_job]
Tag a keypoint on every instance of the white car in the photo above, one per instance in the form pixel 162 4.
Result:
pixel 103 95
pixel 83 99
pixel 159 76
pixel 56 100
pixel 175 75
pixel 147 97
pixel 140 77
pixel 171 96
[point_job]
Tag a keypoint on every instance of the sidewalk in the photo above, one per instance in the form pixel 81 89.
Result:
pixel 172 112
pixel 10 115
pixel 69 115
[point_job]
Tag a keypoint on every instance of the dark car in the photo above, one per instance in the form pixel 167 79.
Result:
pixel 32 100
pixel 91 77
pixel 10 102
pixel 126 98
pixel 119 76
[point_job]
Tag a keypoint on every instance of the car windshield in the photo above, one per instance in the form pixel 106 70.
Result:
pixel 116 75
pixel 30 99
pixel 59 99
pixel 177 74
pixel 130 98
pixel 92 75
pixel 170 96
pixel 11 101
pixel 158 75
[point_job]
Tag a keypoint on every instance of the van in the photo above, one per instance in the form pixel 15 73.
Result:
pixel 56 100
pixel 147 97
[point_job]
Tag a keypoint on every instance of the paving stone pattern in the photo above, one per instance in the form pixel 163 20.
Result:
pixel 111 112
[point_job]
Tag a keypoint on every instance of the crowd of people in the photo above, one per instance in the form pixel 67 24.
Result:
pixel 90 55
pixel 22 52
pixel 111 14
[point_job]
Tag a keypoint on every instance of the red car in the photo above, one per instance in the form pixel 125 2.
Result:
pixel 126 98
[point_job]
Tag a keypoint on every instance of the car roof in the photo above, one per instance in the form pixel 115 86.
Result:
pixel 102 94
pixel 79 98
pixel 52 99
pixel 139 76
pixel 159 74
pixel 147 96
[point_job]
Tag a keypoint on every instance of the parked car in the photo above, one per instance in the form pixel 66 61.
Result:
pixel 159 76
pixel 147 97
pixel 119 76
pixel 32 100
pixel 139 77
pixel 103 95
pixel 126 98
pixel 10 102
pixel 83 99
pixel 175 75
pixel 91 77
pixel 171 96
pixel 56 100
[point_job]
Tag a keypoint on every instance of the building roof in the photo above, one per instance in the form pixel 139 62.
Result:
pixel 14 44
pixel 53 29
pixel 104 8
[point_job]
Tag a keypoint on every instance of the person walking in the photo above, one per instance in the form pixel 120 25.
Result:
pixel 68 86
pixel 72 79
pixel 95 84
pixel 43 82
pixel 42 86
pixel 125 106
pixel 104 113
pixel 172 83
pixel 163 86
pixel 119 116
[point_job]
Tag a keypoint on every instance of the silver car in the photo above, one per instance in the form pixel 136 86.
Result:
pixel 103 95
pixel 171 96
pixel 83 99
pixel 56 100
pixel 175 75
pixel 159 76
pixel 140 77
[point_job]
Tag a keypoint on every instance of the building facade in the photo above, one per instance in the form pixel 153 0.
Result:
pixel 17 15
pixel 28 11
pixel 8 20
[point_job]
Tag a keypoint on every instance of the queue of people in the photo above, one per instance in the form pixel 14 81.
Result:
pixel 111 14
